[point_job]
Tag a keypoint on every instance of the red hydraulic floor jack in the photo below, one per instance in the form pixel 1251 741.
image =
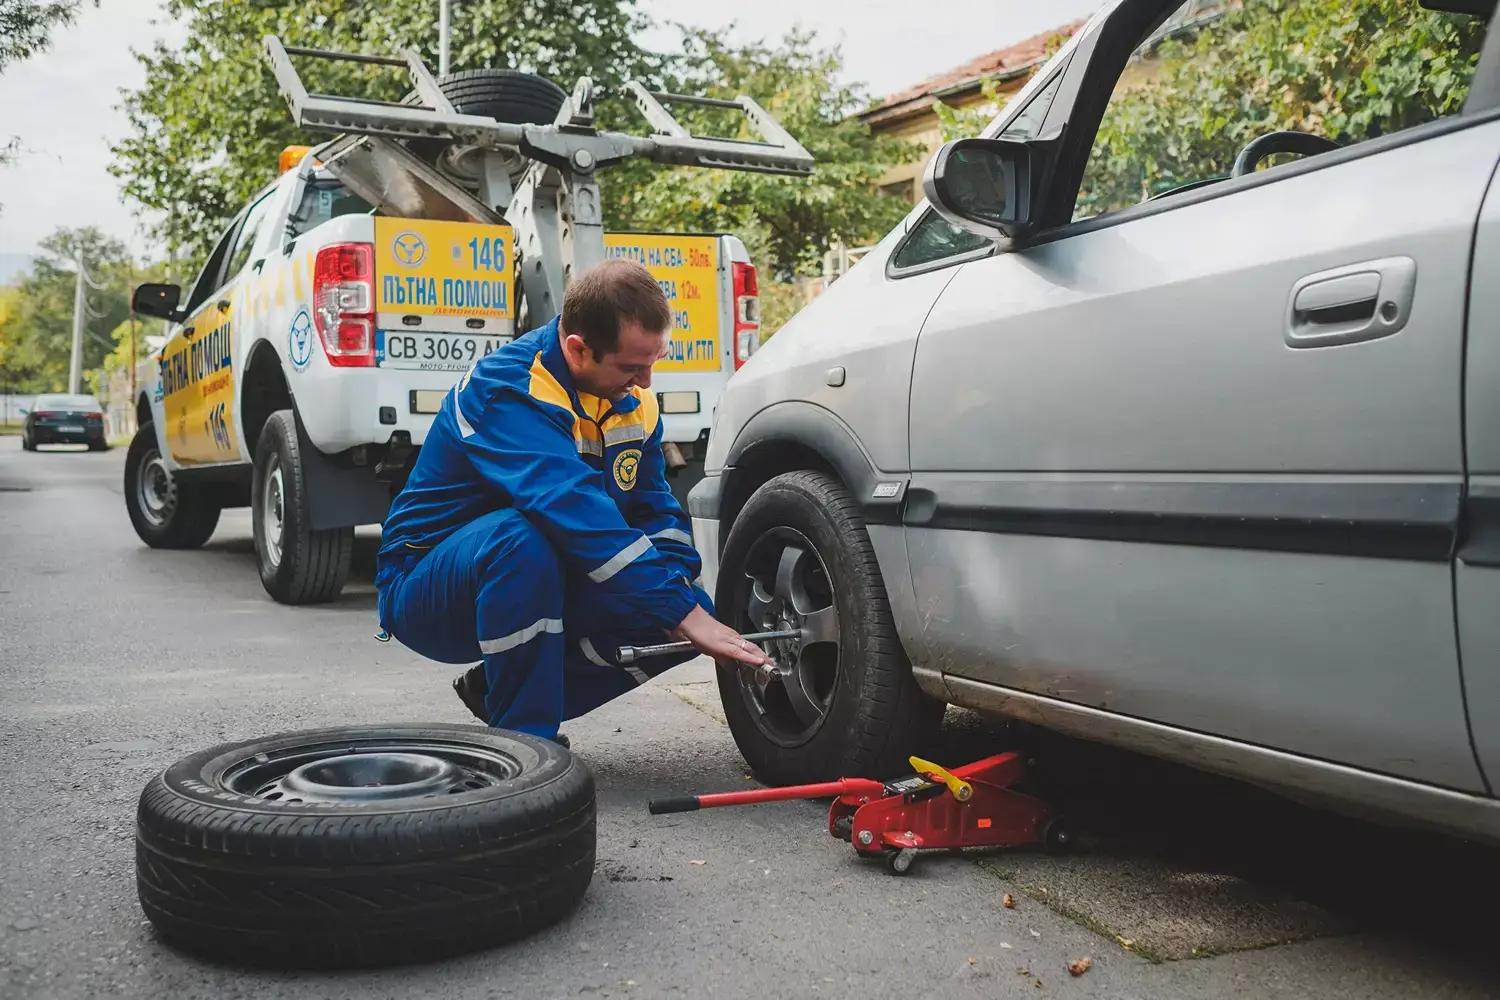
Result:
pixel 932 809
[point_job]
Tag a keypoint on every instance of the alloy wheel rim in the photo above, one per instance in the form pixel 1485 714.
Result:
pixel 787 586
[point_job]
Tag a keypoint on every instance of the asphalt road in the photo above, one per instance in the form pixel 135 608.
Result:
pixel 116 659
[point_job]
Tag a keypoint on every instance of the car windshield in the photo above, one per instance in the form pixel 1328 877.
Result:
pixel 62 402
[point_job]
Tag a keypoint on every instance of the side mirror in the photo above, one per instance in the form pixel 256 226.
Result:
pixel 159 301
pixel 984 185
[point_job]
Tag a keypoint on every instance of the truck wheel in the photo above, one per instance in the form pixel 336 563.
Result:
pixel 297 564
pixel 844 701
pixel 364 845
pixel 166 514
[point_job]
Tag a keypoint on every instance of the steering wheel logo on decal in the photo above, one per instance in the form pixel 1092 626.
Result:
pixel 409 249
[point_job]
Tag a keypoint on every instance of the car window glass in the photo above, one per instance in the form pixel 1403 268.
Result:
pixel 323 198
pixel 208 278
pixel 1216 76
pixel 934 238
pixel 239 255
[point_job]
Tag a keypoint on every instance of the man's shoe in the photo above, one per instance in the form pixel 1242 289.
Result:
pixel 470 688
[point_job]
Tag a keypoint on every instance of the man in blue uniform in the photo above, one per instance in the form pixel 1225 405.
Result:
pixel 537 530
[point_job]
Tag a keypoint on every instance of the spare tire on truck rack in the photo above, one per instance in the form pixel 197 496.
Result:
pixel 367 845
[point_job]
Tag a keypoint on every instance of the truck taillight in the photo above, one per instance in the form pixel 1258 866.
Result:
pixel 344 303
pixel 746 313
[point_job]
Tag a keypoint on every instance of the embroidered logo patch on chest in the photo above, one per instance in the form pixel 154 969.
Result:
pixel 627 463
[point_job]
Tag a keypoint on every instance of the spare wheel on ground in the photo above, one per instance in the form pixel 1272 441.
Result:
pixel 364 845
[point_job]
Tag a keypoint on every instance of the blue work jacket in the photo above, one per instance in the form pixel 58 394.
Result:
pixel 587 472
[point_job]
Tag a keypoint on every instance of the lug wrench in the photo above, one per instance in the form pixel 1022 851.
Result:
pixel 629 654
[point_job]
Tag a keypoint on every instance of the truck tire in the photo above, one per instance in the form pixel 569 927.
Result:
pixel 297 564
pixel 798 556
pixel 505 95
pixel 366 845
pixel 166 513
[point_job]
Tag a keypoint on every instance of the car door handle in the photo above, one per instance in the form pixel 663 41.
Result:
pixel 1350 304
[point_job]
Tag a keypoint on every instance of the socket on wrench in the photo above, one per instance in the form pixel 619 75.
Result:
pixel 763 673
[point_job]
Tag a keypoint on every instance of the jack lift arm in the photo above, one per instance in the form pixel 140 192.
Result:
pixel 555 206
pixel 933 809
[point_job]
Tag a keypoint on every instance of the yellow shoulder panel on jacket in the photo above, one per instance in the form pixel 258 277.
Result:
pixel 650 410
pixel 545 387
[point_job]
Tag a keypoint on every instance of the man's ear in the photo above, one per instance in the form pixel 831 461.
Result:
pixel 574 346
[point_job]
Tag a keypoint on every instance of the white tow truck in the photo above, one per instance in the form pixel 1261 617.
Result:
pixel 303 368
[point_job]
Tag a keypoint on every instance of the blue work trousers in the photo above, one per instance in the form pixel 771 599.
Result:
pixel 496 589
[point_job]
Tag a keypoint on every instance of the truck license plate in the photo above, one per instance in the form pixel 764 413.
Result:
pixel 436 352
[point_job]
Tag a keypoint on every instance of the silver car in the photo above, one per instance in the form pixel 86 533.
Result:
pixel 1209 470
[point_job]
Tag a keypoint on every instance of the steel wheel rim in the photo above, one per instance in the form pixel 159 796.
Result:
pixel 273 511
pixel 155 492
pixel 369 772
pixel 788 586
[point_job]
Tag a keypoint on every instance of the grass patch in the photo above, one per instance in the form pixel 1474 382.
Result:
pixel 10 430
pixel 1041 895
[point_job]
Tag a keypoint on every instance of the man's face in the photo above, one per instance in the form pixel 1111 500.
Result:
pixel 630 364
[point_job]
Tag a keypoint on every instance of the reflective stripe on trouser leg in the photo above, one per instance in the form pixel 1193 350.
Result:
pixel 519 626
pixel 592 655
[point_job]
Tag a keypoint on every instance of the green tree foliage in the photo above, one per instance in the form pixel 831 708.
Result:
pixel 1347 70
pixel 36 330
pixel 26 26
pixel 207 124
pixel 786 222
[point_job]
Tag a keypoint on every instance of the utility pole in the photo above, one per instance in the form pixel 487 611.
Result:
pixel 75 363
pixel 443 21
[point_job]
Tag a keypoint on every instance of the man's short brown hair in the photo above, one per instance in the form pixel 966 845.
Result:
pixel 607 294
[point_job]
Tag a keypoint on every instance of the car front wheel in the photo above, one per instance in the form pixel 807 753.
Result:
pixel 166 513
pixel 841 700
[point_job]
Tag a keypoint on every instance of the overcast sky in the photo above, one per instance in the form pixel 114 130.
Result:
pixel 62 104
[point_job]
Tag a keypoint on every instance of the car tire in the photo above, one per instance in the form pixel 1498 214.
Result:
pixel 352 846
pixel 298 565
pixel 165 513
pixel 846 703
pixel 98 446
pixel 27 444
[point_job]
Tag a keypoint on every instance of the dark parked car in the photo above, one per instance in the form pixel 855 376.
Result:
pixel 63 419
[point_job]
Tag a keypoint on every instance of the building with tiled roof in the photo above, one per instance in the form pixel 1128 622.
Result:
pixel 908 114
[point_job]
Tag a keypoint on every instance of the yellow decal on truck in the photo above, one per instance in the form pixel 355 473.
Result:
pixel 687 268
pixel 197 384
pixel 430 268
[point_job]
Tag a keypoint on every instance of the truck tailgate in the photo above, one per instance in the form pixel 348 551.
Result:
pixel 445 292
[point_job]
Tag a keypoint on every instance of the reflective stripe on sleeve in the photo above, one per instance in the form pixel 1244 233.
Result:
pixel 674 535
pixel 551 626
pixel 464 428
pixel 621 559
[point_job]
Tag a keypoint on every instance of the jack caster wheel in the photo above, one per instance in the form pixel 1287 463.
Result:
pixel 900 862
pixel 1057 836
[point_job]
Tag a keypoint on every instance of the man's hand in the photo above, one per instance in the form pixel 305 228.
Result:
pixel 713 638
